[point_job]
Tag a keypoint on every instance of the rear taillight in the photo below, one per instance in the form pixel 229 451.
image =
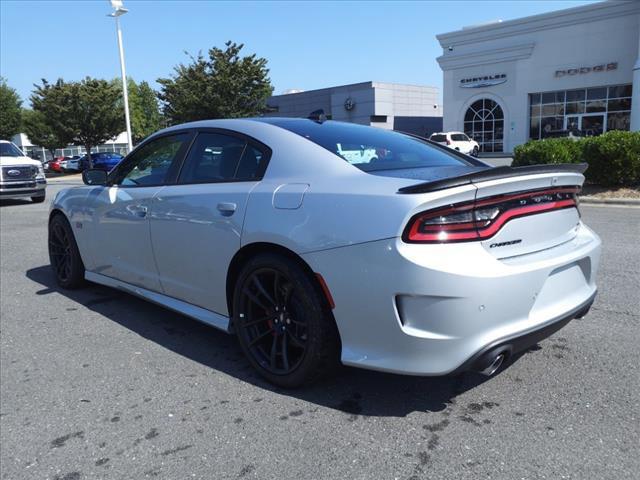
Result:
pixel 483 218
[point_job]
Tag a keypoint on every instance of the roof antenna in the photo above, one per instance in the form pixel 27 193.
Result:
pixel 318 116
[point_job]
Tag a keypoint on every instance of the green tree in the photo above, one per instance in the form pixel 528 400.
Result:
pixel 224 85
pixel 143 109
pixel 41 133
pixel 87 112
pixel 10 111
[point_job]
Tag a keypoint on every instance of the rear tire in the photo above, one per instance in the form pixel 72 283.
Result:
pixel 474 153
pixel 283 323
pixel 64 254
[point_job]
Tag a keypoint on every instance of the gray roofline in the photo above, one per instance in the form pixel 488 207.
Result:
pixel 370 83
pixel 569 16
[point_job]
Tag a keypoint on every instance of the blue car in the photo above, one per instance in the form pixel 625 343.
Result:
pixel 102 160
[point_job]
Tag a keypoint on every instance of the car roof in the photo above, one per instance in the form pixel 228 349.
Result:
pixel 251 122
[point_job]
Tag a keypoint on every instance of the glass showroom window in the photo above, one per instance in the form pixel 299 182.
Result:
pixel 484 122
pixel 580 112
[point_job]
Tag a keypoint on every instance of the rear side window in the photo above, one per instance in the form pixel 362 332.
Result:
pixel 459 137
pixel 216 157
pixel 439 138
pixel 370 148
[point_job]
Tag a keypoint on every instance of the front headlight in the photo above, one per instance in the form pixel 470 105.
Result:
pixel 40 171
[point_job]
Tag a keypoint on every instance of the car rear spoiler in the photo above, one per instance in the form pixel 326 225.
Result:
pixel 493 174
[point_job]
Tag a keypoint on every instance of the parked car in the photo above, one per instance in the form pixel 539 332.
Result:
pixel 20 176
pixel 101 160
pixel 422 261
pixel 55 164
pixel 71 164
pixel 457 141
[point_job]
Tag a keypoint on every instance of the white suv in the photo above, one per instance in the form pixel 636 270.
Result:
pixel 458 141
pixel 20 176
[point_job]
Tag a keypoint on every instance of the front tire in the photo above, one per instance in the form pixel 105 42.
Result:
pixel 64 254
pixel 474 152
pixel 39 199
pixel 283 323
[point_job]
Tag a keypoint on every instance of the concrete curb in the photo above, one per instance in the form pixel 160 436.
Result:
pixel 630 202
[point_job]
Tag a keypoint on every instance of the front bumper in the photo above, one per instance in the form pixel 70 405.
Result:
pixel 435 309
pixel 22 188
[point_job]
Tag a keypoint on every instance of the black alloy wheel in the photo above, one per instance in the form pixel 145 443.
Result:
pixel 273 321
pixel 282 321
pixel 64 255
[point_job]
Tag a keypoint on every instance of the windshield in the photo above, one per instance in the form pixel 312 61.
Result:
pixel 10 150
pixel 370 148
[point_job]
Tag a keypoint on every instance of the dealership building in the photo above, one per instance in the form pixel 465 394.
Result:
pixel 574 70
pixel 393 106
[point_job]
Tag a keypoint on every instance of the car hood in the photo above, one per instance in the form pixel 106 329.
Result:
pixel 11 161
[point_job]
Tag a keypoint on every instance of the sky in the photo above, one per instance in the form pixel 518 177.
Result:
pixel 308 45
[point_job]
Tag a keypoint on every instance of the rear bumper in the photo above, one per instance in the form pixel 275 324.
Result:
pixel 435 309
pixel 523 341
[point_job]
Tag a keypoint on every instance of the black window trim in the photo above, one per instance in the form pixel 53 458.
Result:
pixel 265 149
pixel 176 164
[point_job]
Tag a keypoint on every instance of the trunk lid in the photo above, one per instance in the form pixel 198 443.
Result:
pixel 531 208
pixel 531 230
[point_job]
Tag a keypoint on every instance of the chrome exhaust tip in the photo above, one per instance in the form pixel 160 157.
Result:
pixel 494 366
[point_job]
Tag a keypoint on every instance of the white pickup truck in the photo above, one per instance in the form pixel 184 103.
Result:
pixel 20 176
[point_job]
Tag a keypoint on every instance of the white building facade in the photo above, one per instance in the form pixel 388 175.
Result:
pixel 574 70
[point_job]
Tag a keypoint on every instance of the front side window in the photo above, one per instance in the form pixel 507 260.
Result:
pixel 369 148
pixel 150 164
pixel 216 157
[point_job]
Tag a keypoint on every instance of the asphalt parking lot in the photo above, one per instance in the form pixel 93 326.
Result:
pixel 98 384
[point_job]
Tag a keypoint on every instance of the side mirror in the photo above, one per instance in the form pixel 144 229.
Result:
pixel 93 176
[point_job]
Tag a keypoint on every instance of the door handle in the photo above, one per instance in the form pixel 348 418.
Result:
pixel 227 208
pixel 138 210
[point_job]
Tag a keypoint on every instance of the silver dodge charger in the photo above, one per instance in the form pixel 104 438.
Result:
pixel 319 242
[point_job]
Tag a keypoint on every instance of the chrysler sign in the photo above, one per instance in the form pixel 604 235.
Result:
pixel 603 67
pixel 483 81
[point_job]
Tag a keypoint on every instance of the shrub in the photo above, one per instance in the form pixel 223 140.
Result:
pixel 551 150
pixel 613 158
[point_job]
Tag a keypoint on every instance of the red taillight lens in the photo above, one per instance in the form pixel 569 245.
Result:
pixel 483 218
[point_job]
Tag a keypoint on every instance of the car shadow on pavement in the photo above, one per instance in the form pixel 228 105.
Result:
pixel 354 391
pixel 5 202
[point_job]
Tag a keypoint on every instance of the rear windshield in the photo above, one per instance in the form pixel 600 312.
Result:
pixel 439 138
pixel 370 148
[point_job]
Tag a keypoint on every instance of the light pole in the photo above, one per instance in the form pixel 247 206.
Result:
pixel 119 10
